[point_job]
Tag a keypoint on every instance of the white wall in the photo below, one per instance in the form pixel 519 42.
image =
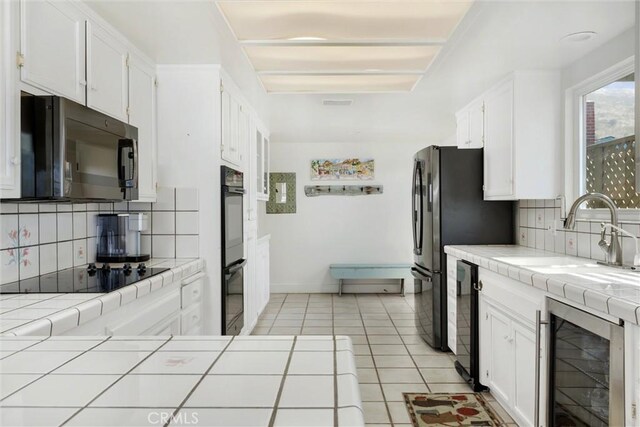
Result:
pixel 339 229
pixel 614 51
pixel 189 156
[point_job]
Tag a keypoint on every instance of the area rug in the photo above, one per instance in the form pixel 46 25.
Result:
pixel 450 409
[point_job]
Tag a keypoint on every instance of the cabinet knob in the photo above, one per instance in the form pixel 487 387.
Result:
pixel 15 160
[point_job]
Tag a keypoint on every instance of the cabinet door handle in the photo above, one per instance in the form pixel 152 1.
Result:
pixel 478 286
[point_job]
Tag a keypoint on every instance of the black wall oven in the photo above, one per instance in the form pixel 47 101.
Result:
pixel 232 251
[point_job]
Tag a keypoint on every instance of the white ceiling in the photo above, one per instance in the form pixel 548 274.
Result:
pixel 494 38
pixel 383 45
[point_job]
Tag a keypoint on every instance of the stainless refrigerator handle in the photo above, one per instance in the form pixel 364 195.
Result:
pixel 414 212
pixel 429 193
pixel 539 323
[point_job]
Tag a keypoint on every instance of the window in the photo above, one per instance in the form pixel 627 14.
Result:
pixel 608 142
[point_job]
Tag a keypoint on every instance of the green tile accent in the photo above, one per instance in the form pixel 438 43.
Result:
pixel 289 206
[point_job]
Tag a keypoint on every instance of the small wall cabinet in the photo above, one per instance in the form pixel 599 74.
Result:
pixel 470 126
pixel 522 144
pixel 107 73
pixel 518 123
pixel 142 114
pixel 52 48
pixel 235 125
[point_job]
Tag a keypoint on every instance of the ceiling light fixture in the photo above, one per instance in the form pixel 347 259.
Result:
pixel 307 39
pixel 579 37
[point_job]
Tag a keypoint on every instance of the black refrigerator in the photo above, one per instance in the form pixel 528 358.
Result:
pixel 448 208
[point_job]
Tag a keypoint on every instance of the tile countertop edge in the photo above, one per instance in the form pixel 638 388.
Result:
pixel 87 310
pixel 623 309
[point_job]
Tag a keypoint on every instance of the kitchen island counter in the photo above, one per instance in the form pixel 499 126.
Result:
pixel 198 381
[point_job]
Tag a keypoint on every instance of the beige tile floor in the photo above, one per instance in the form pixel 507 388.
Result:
pixel 391 358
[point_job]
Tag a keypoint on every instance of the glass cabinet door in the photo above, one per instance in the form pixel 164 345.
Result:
pixel 265 157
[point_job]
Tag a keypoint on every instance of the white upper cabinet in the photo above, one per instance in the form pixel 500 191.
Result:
pixel 235 134
pixel 9 140
pixel 470 126
pixel 262 165
pixel 498 151
pixel 522 137
pixel 142 114
pixel 53 47
pixel 107 73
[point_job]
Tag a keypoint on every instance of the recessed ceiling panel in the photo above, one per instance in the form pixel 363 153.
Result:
pixel 338 83
pixel 343 20
pixel 341 58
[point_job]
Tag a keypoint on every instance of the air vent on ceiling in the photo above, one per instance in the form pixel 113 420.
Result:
pixel 337 102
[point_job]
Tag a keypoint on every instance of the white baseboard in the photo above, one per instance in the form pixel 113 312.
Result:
pixel 348 287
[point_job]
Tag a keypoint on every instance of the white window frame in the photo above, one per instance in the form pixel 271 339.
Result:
pixel 575 150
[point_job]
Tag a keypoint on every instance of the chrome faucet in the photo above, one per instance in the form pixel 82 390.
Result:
pixel 612 250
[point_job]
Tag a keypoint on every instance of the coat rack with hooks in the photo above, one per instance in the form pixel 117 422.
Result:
pixel 342 190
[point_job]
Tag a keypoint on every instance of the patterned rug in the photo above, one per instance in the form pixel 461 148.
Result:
pixel 449 409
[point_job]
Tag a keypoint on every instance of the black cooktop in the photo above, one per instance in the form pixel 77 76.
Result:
pixel 89 279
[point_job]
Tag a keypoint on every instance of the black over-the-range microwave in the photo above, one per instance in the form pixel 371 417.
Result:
pixel 71 152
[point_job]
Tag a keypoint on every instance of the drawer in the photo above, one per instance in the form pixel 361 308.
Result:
pixel 191 319
pixel 191 293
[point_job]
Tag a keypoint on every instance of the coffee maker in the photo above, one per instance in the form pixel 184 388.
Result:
pixel 118 237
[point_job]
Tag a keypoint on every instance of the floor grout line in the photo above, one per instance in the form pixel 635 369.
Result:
pixel 384 396
pixel 366 309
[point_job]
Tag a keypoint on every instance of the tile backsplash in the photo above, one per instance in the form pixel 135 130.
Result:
pixel 540 226
pixel 40 238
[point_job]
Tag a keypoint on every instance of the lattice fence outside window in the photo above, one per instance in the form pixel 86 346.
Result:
pixel 611 171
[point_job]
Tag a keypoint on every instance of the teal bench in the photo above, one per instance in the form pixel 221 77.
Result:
pixel 370 271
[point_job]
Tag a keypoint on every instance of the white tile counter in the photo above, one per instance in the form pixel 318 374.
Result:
pixel 52 314
pixel 610 290
pixel 200 381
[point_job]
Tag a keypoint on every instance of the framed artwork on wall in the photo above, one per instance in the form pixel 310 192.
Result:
pixel 353 169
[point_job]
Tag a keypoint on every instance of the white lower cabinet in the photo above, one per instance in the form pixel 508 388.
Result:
pixel 176 309
pixel 191 305
pixel 507 360
pixel 262 273
pixel 524 348
pixel 256 280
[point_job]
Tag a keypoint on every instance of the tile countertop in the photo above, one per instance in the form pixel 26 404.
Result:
pixel 203 381
pixel 52 314
pixel 610 290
